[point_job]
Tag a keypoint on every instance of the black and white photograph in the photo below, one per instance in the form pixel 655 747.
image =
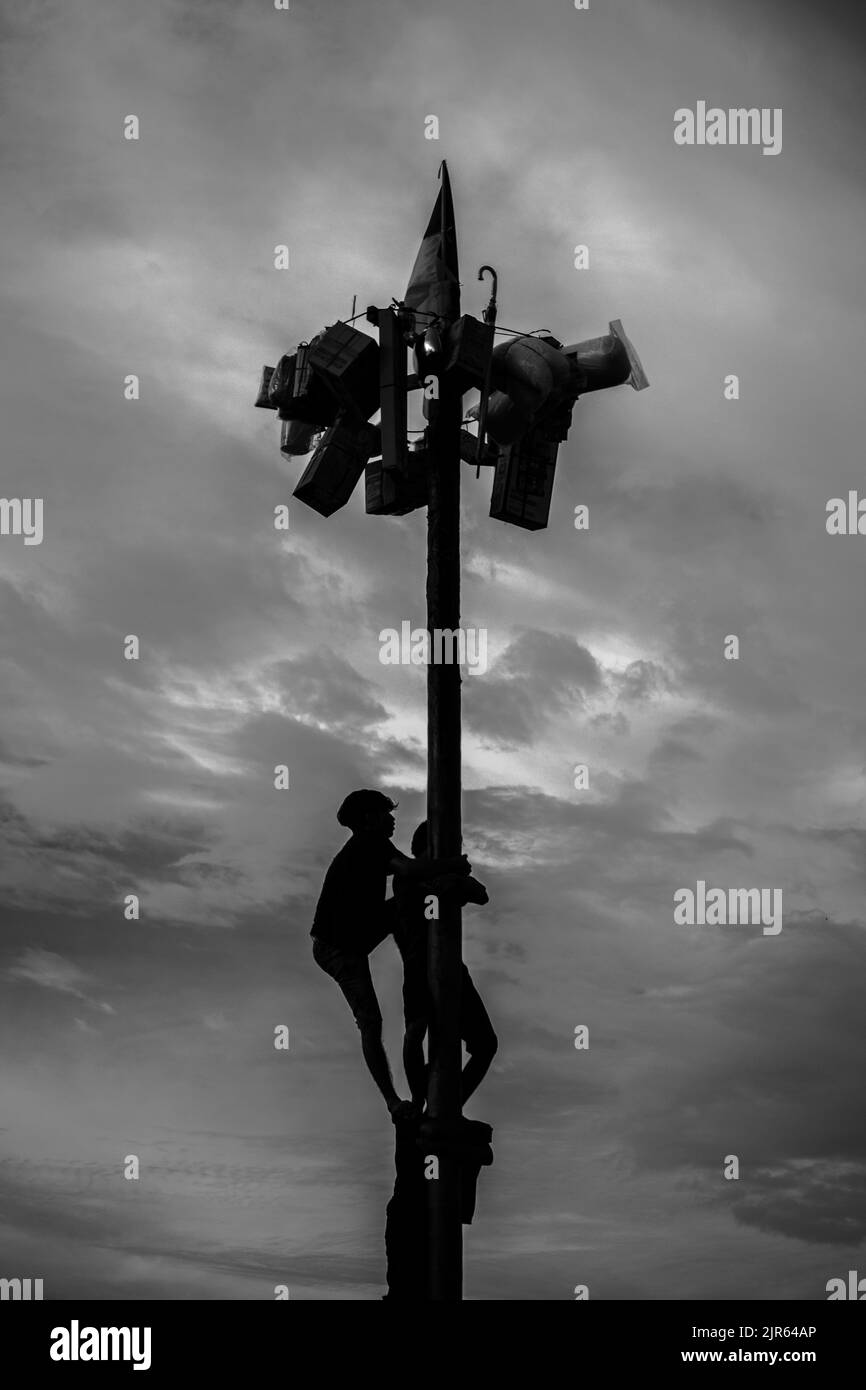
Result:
pixel 433 733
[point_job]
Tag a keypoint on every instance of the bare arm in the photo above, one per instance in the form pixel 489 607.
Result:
pixel 401 866
pixel 471 891
pixel 467 889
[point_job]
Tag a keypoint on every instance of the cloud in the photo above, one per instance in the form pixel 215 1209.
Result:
pixel 537 674
pixel 50 971
pixel 822 1203
pixel 329 689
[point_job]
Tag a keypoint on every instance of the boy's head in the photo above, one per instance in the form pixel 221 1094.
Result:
pixel 419 841
pixel 368 811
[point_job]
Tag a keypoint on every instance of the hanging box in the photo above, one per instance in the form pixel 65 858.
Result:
pixel 348 363
pixel 329 479
pixel 263 400
pixel 390 493
pixel 307 397
pixel 523 482
pixel 280 382
pixel 468 349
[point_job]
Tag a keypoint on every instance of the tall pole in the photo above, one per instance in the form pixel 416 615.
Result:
pixel 444 818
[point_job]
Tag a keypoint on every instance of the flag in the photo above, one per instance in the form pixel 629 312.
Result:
pixel 434 285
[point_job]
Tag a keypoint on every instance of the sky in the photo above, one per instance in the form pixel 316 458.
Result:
pixel 259 647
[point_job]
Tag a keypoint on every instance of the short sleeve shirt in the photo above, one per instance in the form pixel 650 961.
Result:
pixel 352 899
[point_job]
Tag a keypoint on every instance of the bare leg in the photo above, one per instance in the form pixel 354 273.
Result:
pixel 414 1063
pixel 377 1062
pixel 351 970
pixel 477 1068
pixel 478 1035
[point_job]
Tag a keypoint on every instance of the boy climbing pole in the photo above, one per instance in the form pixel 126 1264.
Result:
pixel 350 920
pixel 411 893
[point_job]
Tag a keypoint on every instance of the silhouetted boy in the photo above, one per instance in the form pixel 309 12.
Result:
pixel 410 934
pixel 350 919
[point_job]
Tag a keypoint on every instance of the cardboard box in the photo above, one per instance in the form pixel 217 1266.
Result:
pixel 468 350
pixel 391 493
pixel 280 383
pixel 330 477
pixel 523 482
pixel 263 400
pixel 307 397
pixel 348 363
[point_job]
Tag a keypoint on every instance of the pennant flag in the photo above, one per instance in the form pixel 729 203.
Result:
pixel 434 285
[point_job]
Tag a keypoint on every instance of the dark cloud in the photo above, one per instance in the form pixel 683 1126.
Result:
pixel 538 674
pixel 823 1203
pixel 672 752
pixel 327 687
pixel 770 1079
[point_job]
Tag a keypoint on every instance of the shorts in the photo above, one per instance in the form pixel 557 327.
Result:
pixel 351 970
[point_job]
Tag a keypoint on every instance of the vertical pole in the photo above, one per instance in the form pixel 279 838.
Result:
pixel 393 390
pixel 444 817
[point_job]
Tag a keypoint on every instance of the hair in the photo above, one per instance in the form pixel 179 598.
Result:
pixel 419 840
pixel 361 804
